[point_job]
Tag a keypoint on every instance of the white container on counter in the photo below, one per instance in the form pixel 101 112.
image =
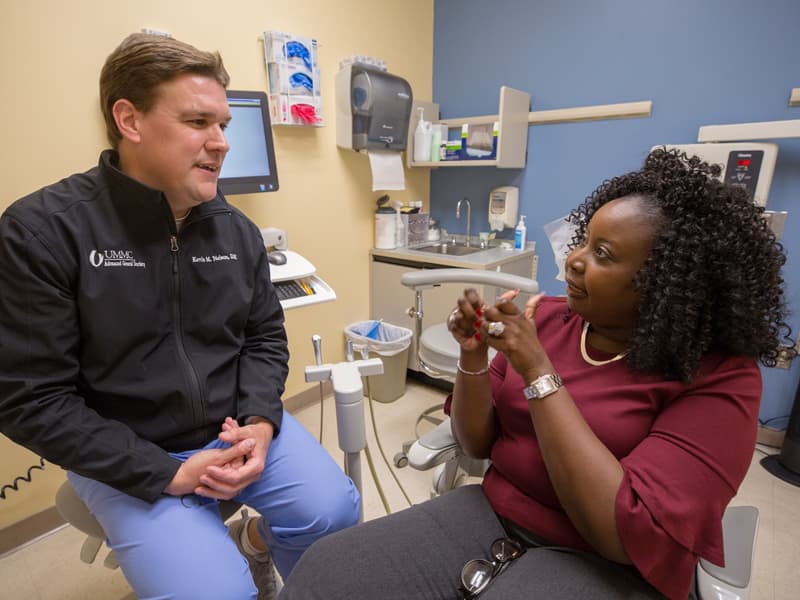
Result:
pixel 385 229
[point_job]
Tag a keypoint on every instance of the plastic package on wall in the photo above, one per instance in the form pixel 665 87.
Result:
pixel 294 79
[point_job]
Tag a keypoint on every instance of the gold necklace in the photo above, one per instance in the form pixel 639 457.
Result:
pixel 589 359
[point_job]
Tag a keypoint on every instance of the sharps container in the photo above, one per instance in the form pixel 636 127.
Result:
pixel 385 228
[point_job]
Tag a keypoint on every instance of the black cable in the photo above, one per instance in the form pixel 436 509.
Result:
pixel 27 477
pixel 770 420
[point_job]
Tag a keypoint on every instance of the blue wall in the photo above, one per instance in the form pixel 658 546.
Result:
pixel 701 63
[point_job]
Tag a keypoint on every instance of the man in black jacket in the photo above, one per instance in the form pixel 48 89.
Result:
pixel 143 349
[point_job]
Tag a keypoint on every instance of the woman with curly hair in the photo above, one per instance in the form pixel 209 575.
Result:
pixel 620 420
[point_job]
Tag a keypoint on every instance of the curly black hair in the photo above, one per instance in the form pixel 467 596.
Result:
pixel 712 281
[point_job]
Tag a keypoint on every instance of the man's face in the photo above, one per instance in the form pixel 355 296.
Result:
pixel 180 145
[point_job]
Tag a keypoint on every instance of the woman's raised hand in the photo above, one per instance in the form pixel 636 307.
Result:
pixel 465 320
pixel 512 332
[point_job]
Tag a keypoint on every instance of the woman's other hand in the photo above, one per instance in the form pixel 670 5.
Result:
pixel 513 332
pixel 465 320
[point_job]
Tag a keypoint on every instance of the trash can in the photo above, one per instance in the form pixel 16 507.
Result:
pixel 390 343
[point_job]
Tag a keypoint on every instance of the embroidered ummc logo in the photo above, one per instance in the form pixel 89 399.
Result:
pixel 114 258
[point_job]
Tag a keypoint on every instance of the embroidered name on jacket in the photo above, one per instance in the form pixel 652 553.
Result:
pixel 214 258
pixel 114 258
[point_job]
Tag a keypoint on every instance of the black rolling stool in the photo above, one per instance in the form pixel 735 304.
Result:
pixel 786 464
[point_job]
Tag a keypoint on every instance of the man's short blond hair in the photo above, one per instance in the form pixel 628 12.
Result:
pixel 141 63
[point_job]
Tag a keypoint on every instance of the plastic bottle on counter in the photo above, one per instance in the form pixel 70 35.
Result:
pixel 436 144
pixel 422 138
pixel 520 234
pixel 400 229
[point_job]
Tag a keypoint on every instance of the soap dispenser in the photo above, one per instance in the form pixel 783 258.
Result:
pixel 422 138
pixel 520 234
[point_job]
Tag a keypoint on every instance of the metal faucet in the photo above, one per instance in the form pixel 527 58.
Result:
pixel 469 215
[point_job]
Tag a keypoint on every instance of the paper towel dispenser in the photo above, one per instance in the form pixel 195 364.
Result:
pixel 373 108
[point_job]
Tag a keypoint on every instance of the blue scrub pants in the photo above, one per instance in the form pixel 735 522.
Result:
pixel 178 547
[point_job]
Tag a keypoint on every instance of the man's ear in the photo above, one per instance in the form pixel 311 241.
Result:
pixel 127 119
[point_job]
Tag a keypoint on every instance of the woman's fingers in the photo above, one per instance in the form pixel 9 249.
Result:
pixel 509 295
pixel 531 304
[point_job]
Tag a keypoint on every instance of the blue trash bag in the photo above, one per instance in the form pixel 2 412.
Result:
pixel 381 338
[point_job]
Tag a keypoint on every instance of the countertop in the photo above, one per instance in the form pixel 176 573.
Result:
pixel 484 259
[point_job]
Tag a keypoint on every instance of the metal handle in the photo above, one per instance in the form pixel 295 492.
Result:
pixel 317 341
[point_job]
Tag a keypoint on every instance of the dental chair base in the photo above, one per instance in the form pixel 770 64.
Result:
pixel 438 448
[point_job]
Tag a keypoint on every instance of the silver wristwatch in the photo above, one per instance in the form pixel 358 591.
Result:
pixel 542 386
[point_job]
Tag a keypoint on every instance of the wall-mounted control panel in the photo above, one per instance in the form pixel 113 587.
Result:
pixel 746 164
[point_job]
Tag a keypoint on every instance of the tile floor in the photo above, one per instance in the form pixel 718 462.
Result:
pixel 50 569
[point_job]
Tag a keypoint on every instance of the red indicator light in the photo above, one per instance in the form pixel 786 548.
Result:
pixel 743 162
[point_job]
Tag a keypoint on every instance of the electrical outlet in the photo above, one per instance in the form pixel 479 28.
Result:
pixel 152 31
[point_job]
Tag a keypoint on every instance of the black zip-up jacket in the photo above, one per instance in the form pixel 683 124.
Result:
pixel 122 339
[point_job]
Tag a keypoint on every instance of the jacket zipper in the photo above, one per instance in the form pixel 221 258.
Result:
pixel 196 391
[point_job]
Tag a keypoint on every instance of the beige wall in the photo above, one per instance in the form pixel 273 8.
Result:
pixel 52 54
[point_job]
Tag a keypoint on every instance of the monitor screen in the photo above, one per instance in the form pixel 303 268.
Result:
pixel 249 166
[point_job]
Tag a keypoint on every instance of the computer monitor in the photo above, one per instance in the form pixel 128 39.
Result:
pixel 249 166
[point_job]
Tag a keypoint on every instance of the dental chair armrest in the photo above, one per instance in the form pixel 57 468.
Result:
pixel 433 448
pixel 428 277
pixel 739 528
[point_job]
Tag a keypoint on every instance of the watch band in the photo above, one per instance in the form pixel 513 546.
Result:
pixel 542 386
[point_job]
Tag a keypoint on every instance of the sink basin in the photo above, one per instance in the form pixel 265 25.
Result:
pixel 458 249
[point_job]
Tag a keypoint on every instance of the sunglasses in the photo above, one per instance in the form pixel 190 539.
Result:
pixel 477 573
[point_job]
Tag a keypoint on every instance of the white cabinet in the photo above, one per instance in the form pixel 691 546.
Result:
pixel 391 301
pixel 512 133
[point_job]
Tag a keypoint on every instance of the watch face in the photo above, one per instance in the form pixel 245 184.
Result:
pixel 543 386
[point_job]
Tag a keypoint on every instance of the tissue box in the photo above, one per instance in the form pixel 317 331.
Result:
pixel 453 150
pixel 479 142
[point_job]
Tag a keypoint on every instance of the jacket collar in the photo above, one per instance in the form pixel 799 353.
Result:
pixel 132 192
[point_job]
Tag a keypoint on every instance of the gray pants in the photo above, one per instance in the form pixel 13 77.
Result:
pixel 418 553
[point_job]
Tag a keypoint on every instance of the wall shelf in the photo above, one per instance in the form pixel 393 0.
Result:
pixel 513 119
pixel 512 132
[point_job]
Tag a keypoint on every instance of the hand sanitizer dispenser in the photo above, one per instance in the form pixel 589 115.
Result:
pixel 503 207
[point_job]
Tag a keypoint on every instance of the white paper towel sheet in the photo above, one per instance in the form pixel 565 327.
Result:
pixel 560 233
pixel 387 170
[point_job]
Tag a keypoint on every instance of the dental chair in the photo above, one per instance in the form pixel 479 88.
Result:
pixel 74 511
pixel 437 354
